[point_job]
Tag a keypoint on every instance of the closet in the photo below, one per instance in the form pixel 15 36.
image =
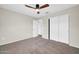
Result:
pixel 59 28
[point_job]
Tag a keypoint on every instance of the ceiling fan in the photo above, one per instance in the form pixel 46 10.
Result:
pixel 38 7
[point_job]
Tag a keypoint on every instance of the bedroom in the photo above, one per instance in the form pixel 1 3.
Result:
pixel 56 25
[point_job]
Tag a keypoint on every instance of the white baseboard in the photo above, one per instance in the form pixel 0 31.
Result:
pixel 14 41
pixel 74 46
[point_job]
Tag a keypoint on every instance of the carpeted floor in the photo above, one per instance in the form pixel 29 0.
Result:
pixel 37 46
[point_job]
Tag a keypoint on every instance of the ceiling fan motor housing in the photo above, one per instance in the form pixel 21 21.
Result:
pixel 37 6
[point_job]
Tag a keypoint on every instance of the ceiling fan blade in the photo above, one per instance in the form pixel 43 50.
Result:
pixel 30 6
pixel 46 5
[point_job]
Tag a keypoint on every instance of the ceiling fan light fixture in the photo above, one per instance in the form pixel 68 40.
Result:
pixel 37 10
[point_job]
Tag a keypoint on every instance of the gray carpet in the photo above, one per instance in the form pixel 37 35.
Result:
pixel 37 46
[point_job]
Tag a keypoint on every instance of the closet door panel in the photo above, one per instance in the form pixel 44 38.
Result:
pixel 63 28
pixel 51 28
pixel 54 29
pixel 59 28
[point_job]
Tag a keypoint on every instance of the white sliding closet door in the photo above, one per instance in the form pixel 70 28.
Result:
pixel 59 28
pixel 54 28
pixel 63 28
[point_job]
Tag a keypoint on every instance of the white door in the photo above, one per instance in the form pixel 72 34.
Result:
pixel 59 28
pixel 54 28
pixel 40 26
pixel 63 29
pixel 35 28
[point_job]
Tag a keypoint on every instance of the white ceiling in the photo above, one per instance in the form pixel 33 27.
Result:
pixel 20 8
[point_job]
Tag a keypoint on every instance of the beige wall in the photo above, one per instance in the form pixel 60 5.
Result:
pixel 14 26
pixel 73 27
